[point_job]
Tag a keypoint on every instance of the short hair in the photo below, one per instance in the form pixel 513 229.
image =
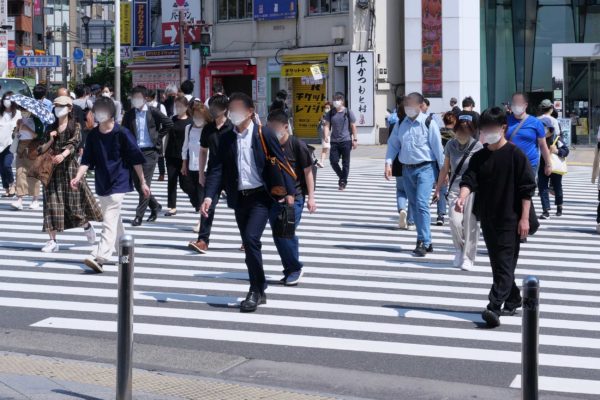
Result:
pixel 198 106
pixel 465 125
pixel 80 90
pixel 109 87
pixel 427 103
pixel 39 91
pixel 468 102
pixel 418 97
pixel 493 117
pixel 524 95
pixel 150 94
pixel 282 94
pixel 220 101
pixel 106 104
pixel 278 104
pixel 339 96
pixel 278 116
pixel 171 89
pixel 139 90
pixel 453 101
pixel 182 100
pixel 449 118
pixel 187 87
pixel 244 98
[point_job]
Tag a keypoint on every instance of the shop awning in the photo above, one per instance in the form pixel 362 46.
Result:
pixel 301 70
pixel 233 67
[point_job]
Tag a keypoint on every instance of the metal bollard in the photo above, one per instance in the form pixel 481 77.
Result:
pixel 530 339
pixel 125 318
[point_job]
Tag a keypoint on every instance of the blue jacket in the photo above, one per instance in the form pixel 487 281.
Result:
pixel 224 173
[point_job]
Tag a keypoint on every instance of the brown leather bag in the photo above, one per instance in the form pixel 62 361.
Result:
pixel 42 167
pixel 32 150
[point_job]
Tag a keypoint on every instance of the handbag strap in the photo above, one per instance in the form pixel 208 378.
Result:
pixel 512 135
pixel 461 163
pixel 284 166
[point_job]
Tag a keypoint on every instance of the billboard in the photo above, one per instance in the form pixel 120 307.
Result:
pixel 431 38
pixel 170 19
pixel 141 23
pixel 274 9
pixel 125 22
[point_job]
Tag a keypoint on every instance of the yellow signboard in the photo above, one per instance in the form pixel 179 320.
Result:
pixel 309 99
pixel 125 22
pixel 301 70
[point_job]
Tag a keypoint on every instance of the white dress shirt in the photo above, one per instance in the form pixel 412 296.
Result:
pixel 249 178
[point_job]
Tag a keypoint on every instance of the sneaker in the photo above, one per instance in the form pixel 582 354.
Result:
pixel 94 264
pixel 440 220
pixel 421 250
pixel 342 187
pixel 402 221
pixel 90 234
pixel 242 248
pixel 200 246
pixel 51 247
pixel 508 312
pixel 458 259
pixel 196 228
pixel 559 211
pixel 411 227
pixel 491 318
pixel 545 215
pixel 466 265
pixel 35 205
pixel 17 205
pixel 294 278
pixel 319 164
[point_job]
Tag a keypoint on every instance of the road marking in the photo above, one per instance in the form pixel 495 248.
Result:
pixel 562 385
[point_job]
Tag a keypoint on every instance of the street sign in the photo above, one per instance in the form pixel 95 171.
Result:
pixel 171 33
pixel 78 55
pixel 170 19
pixel 125 52
pixel 37 61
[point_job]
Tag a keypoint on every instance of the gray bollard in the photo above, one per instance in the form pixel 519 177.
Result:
pixel 125 318
pixel 530 345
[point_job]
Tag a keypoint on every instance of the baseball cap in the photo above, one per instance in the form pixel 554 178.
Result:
pixel 546 103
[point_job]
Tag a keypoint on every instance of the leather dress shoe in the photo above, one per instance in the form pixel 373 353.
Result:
pixel 137 221
pixel 154 214
pixel 253 300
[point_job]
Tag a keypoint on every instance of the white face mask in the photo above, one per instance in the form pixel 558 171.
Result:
pixel 237 118
pixel 106 95
pixel 199 122
pixel 7 103
pixel 337 104
pixel 101 116
pixel 180 110
pixel 518 110
pixel 280 134
pixel 411 112
pixel 60 111
pixel 137 102
pixel 327 110
pixel 491 137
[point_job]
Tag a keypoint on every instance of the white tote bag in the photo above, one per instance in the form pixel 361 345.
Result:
pixel 559 165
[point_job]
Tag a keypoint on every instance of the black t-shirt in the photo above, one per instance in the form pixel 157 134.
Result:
pixel 209 139
pixel 300 158
pixel 176 137
pixel 501 180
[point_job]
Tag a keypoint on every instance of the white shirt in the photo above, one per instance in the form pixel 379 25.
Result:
pixel 249 178
pixel 191 147
pixel 7 126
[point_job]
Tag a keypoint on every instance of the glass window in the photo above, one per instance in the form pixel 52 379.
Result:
pixel 316 7
pixel 232 10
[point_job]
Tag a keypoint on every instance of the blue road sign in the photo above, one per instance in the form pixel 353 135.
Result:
pixel 37 61
pixel 78 55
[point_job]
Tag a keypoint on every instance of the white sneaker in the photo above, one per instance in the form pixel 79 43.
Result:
pixel 17 204
pixel 35 205
pixel 411 227
pixel 402 224
pixel 467 265
pixel 197 227
pixel 51 247
pixel 90 234
pixel 458 259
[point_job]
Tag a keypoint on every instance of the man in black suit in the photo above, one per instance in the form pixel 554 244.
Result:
pixel 149 126
pixel 239 167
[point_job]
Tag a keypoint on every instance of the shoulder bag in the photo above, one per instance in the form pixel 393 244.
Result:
pixel 42 166
pixel 275 170
pixel 460 165
pixel 559 165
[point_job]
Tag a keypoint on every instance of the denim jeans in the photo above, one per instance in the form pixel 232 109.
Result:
pixel 402 200
pixel 543 187
pixel 6 172
pixel 442 204
pixel 418 184
pixel 288 249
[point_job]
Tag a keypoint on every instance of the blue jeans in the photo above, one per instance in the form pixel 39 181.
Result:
pixel 288 249
pixel 6 172
pixel 402 200
pixel 543 187
pixel 418 184
pixel 442 207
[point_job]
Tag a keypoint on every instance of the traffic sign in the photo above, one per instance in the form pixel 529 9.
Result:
pixel 37 61
pixel 78 55
pixel 170 33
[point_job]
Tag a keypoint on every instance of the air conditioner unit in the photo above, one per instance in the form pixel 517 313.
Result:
pixel 338 32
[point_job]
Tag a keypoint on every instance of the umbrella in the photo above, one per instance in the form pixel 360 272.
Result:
pixel 35 107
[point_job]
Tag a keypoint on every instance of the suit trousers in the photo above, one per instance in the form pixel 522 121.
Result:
pixel 149 166
pixel 252 214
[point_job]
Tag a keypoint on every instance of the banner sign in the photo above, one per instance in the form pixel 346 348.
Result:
pixel 125 23
pixel 170 20
pixel 274 9
pixel 141 23
pixel 309 100
pixel 159 54
pixel 37 8
pixel 431 40
pixel 156 79
pixel 362 81
pixel 3 12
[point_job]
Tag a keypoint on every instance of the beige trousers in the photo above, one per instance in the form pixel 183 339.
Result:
pixel 25 185
pixel 112 227
pixel 464 226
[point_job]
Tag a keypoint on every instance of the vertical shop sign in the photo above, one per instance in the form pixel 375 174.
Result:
pixel 125 23
pixel 361 81
pixel 431 37
pixel 141 23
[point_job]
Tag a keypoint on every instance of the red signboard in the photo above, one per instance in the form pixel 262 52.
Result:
pixel 431 59
pixel 170 33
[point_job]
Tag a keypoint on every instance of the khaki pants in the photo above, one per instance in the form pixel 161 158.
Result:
pixel 112 226
pixel 25 185
pixel 464 227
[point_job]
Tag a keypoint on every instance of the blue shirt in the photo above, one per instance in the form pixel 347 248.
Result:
pixel 48 104
pixel 413 143
pixel 143 135
pixel 112 155
pixel 527 137
pixel 249 178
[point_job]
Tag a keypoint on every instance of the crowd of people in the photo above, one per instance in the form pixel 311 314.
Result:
pixel 480 170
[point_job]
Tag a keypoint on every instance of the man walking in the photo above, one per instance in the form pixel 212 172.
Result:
pixel 300 158
pixel 419 148
pixel 340 131
pixel 240 168
pixel 148 126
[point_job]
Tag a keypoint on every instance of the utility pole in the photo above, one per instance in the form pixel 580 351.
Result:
pixel 182 24
pixel 117 55
pixel 65 63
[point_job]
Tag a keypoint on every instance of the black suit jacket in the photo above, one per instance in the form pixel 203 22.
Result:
pixel 225 174
pixel 158 125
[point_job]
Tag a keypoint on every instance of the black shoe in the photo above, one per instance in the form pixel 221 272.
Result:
pixel 154 214
pixel 545 215
pixel 559 211
pixel 491 318
pixel 137 221
pixel 253 300
pixel 508 312
pixel 440 220
pixel 421 250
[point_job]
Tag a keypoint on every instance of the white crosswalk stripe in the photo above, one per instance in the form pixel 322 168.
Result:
pixel 362 295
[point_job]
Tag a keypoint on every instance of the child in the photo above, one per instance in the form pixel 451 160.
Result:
pixel 502 179
pixel 557 147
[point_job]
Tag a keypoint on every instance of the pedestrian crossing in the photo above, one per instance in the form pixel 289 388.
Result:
pixel 364 303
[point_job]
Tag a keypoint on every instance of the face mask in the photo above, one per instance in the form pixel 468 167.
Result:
pixel 105 94
pixel 280 135
pixel 411 112
pixel 151 103
pixel 199 122
pixel 180 110
pixel 7 103
pixel 462 139
pixel 237 118
pixel 337 104
pixel 327 110
pixel 136 102
pixel 60 111
pixel 518 110
pixel 25 114
pixel 491 137
pixel 101 116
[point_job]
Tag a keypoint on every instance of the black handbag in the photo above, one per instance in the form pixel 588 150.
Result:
pixel 285 223
pixel 534 222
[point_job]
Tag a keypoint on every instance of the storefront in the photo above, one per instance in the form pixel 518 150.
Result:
pixel 233 75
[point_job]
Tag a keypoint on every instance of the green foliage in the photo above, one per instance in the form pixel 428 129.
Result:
pixel 104 73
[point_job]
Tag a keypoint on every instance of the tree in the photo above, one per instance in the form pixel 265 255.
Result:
pixel 104 73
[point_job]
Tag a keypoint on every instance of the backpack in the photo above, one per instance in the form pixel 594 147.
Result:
pixel 396 164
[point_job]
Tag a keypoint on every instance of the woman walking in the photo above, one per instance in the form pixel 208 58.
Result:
pixel 9 115
pixel 325 145
pixel 556 146
pixel 463 225
pixel 65 208
pixel 175 140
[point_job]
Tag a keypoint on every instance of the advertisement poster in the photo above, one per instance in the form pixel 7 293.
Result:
pixel 274 9
pixel 141 23
pixel 125 23
pixel 308 103
pixel 170 19
pixel 431 37
pixel 361 81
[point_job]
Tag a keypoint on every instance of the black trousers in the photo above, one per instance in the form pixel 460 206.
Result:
pixel 161 165
pixel 206 222
pixel 145 202
pixel 252 214
pixel 503 246
pixel 191 186
pixel 188 183
pixel 598 212
pixel 341 150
